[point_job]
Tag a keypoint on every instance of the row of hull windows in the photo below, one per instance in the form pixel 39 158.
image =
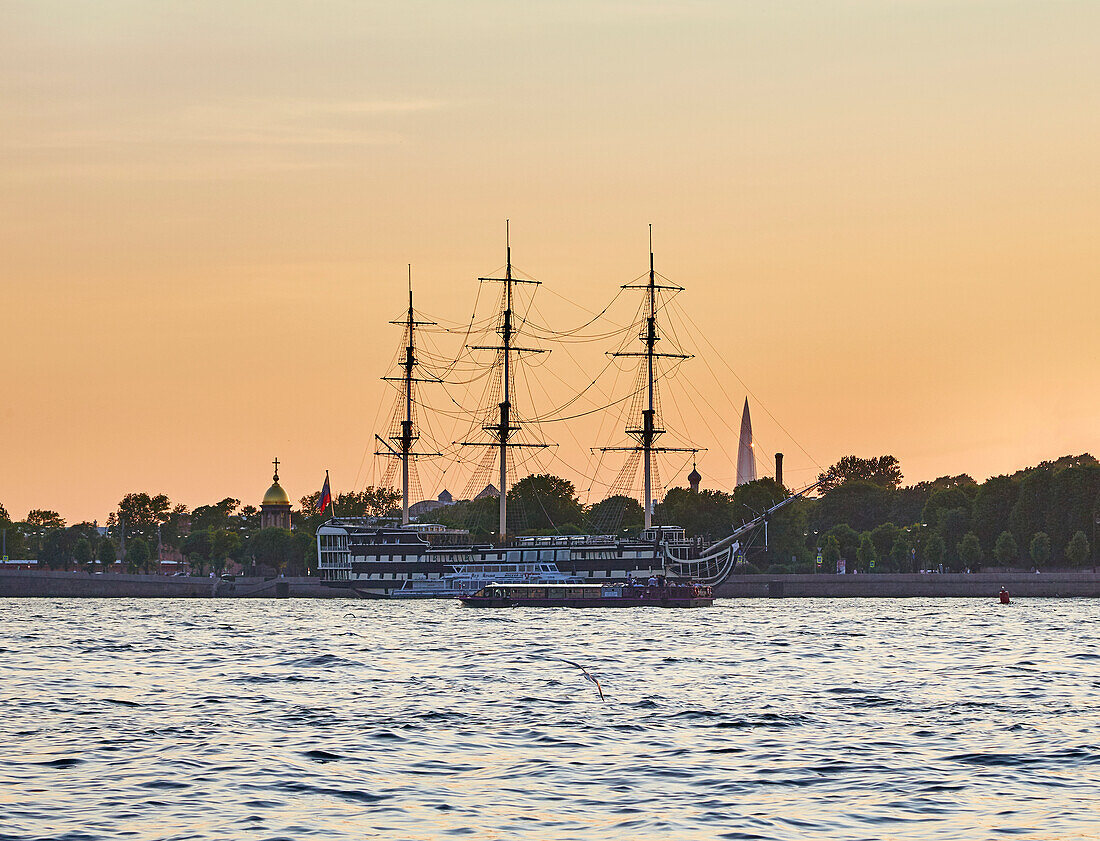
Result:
pixel 339 544
pixel 399 576
pixel 543 556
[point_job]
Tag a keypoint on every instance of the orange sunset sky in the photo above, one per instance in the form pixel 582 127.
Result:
pixel 885 216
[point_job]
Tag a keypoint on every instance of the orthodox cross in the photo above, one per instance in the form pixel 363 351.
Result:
pixel 276 463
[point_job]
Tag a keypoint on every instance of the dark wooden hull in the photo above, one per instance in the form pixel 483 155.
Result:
pixel 624 601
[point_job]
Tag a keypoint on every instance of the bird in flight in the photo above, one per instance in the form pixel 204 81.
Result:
pixel 587 674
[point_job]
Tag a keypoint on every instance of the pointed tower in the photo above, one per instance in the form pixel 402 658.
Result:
pixel 746 458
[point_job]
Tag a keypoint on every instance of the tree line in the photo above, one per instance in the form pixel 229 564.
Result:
pixel 1042 516
pixel 211 537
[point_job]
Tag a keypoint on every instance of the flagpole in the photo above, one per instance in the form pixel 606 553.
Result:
pixel 332 499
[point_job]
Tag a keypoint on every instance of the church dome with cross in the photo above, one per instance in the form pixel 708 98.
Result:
pixel 275 509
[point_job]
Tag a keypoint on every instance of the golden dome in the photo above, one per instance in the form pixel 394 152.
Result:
pixel 276 496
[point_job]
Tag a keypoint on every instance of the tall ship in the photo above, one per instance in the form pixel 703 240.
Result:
pixel 378 557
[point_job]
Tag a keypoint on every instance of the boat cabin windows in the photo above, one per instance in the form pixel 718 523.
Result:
pixel 665 534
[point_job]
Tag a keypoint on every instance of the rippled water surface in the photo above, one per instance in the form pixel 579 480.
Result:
pixel 143 719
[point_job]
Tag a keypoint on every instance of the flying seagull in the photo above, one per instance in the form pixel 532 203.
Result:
pixel 587 674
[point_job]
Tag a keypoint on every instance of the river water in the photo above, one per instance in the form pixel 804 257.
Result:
pixel 845 719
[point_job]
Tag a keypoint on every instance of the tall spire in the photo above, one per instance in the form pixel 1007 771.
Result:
pixel 746 456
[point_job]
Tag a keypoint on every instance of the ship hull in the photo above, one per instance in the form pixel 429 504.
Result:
pixel 478 601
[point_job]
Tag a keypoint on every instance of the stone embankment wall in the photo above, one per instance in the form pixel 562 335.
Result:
pixel 110 585
pixel 901 585
pixel 976 585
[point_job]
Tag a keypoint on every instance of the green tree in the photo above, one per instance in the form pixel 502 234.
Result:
pixel 14 538
pixel 480 516
pixel 138 515
pixel 908 503
pixel 82 554
pixel 249 519
pixel 859 503
pixel 1073 492
pixel 848 540
pixel 223 545
pixel 830 553
pixel 706 513
pixel 970 551
pixel 543 501
pixel 305 554
pixel 43 519
pixel 39 523
pixel 215 517
pixel 866 554
pixel 1031 513
pixel 934 551
pixel 752 499
pixel 1077 550
pixel 106 555
pixel 992 508
pixel 272 547
pixel 884 537
pixel 137 555
pixel 55 549
pixel 953 524
pixel 787 528
pixel 615 515
pixel 175 526
pixel 900 555
pixel 941 501
pixel 884 471
pixel 1040 549
pixel 1005 549
pixel 198 549
pixel 369 502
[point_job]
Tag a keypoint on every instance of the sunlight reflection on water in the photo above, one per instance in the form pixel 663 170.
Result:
pixel 906 719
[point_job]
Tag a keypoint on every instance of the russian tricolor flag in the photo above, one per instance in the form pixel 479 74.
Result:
pixel 326 497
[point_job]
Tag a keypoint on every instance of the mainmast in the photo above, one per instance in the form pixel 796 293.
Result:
pixel 649 431
pixel 504 429
pixel 407 436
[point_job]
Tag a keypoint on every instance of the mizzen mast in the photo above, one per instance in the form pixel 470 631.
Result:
pixel 649 430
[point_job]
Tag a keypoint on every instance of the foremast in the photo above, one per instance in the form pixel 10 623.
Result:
pixel 505 428
pixel 407 436
pixel 647 433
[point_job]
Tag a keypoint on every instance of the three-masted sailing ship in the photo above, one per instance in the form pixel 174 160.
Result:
pixel 377 557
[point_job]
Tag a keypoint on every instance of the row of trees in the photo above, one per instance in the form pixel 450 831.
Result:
pixel 1040 516
pixel 145 526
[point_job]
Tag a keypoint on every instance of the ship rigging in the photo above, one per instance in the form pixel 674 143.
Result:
pixel 372 556
pixel 649 430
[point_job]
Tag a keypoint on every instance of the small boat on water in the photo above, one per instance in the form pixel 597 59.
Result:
pixel 668 594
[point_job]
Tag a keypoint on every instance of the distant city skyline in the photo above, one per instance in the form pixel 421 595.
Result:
pixel 884 217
